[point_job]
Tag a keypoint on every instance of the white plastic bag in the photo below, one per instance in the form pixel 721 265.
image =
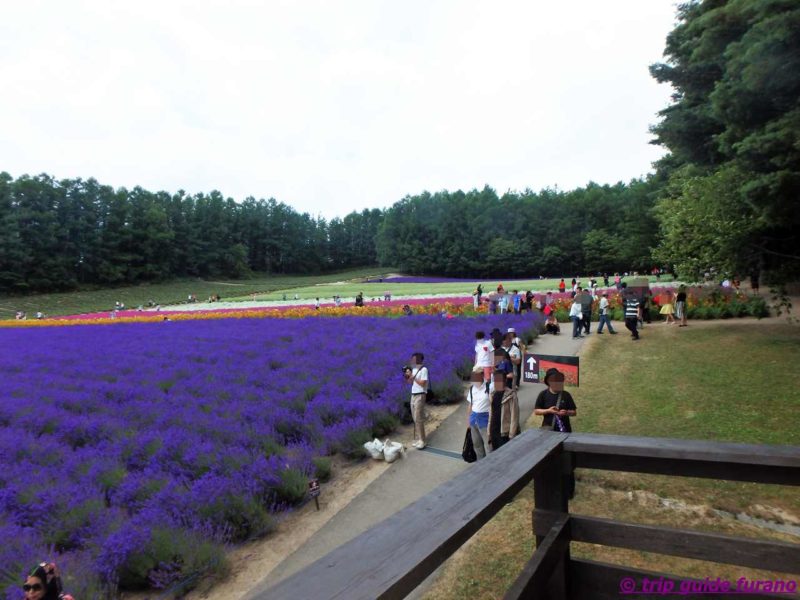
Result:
pixel 392 450
pixel 375 449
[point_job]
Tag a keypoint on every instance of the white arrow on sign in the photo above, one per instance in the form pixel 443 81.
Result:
pixel 531 363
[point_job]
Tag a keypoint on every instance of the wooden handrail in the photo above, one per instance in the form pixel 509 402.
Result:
pixel 389 560
pixel 393 557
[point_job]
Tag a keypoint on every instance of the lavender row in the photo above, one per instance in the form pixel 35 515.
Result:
pixel 137 451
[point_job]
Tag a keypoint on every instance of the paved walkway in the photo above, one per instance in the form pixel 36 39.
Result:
pixel 408 479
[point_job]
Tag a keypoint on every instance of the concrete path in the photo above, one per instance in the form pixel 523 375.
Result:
pixel 408 479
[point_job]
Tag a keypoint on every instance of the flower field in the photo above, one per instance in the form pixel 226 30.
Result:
pixel 133 454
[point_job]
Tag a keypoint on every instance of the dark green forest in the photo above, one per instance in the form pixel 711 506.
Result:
pixel 725 196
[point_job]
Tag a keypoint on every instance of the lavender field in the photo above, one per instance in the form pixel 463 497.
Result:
pixel 134 453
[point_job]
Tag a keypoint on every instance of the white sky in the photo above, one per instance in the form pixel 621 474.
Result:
pixel 331 106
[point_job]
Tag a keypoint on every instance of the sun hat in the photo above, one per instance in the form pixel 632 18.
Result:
pixel 511 330
pixel 552 372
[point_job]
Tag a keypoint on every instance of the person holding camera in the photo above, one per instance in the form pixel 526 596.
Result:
pixel 417 374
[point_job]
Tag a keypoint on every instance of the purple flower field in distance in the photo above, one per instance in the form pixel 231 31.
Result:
pixel 403 279
pixel 133 453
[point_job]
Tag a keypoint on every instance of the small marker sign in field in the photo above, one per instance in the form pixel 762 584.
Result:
pixel 314 490
pixel 536 365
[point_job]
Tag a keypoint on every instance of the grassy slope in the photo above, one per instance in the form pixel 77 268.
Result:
pixel 720 381
pixel 166 293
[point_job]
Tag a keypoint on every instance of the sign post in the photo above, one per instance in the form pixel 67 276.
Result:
pixel 313 490
pixel 534 367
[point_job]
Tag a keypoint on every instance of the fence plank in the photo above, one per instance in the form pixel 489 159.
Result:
pixel 538 571
pixel 392 558
pixel 601 581
pixel 689 458
pixel 782 557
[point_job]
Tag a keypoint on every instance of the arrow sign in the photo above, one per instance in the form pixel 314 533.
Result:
pixel 536 365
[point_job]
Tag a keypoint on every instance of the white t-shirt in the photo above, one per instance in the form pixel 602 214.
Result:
pixel 575 310
pixel 603 306
pixel 514 352
pixel 480 400
pixel 421 373
pixel 484 353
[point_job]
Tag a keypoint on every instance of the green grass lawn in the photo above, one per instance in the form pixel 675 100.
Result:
pixel 167 293
pixel 374 290
pixel 725 381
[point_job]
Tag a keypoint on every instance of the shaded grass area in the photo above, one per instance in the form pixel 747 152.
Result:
pixel 374 290
pixel 174 292
pixel 722 381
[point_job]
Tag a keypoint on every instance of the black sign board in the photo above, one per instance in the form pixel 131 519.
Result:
pixel 313 488
pixel 534 366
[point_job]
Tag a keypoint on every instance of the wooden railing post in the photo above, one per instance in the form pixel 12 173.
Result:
pixel 551 493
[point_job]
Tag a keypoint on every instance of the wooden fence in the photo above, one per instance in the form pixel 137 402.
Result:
pixel 392 558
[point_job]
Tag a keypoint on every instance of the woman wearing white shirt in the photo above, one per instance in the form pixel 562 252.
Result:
pixel 576 317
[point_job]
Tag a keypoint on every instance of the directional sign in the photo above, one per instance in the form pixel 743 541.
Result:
pixel 536 365
pixel 313 488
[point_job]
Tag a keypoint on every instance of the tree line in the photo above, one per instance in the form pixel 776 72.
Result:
pixel 61 235
pixel 724 197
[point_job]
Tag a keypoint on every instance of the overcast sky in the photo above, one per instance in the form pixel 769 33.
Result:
pixel 331 106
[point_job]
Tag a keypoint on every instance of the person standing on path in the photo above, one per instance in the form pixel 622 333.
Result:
pixel 604 318
pixel 509 427
pixel 503 379
pixel 562 286
pixel 586 309
pixel 484 357
pixel 478 405
pixel 556 406
pixel 576 318
pixel 680 306
pixel 418 377
pixel 633 312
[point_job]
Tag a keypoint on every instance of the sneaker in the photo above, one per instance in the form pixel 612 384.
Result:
pixel 613 332
pixel 420 445
pixel 599 333
pixel 416 444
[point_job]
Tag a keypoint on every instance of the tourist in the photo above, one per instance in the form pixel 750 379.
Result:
pixel 417 375
pixel 548 299
pixel 617 281
pixel 576 318
pixel 647 298
pixel 360 299
pixel 44 583
pixel 667 307
pixel 516 300
pixel 604 318
pixel 605 279
pixel 407 310
pixel 39 315
pixel 562 286
pixel 509 427
pixel 529 301
pixel 479 404
pixel 633 312
pixel 556 406
pixel 503 379
pixel 680 306
pixel 754 282
pixel 479 290
pixel 586 301
pixel 476 299
pixel 484 357
pixel 551 324
pixel 316 304
pixel 503 304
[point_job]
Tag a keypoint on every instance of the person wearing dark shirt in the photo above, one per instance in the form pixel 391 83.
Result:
pixel 556 407
pixel 554 404
pixel 680 306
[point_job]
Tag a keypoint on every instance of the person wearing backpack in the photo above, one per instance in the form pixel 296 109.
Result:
pixel 417 375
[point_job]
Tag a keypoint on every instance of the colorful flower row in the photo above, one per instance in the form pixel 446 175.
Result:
pixel 394 308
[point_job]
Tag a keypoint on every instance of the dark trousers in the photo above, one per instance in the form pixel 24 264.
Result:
pixel 630 324
pixel 576 326
pixel 587 319
pixel 495 420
